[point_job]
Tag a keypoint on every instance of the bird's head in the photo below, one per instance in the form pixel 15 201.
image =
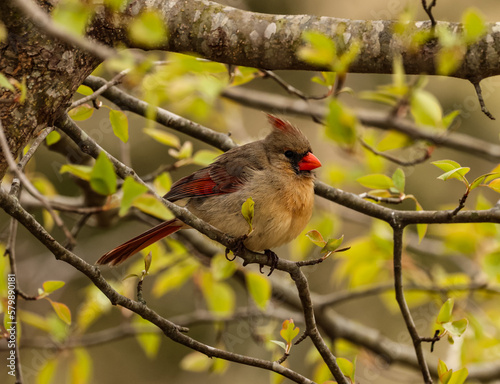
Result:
pixel 288 149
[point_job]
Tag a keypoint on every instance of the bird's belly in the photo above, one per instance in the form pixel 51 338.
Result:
pixel 276 221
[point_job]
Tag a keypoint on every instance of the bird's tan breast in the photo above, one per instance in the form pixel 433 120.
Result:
pixel 281 212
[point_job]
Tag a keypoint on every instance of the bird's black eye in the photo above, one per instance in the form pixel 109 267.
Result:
pixel 289 154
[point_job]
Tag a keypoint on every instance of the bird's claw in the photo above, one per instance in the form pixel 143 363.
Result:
pixel 272 258
pixel 238 247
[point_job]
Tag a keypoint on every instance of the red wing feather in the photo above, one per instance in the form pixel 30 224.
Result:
pixel 210 181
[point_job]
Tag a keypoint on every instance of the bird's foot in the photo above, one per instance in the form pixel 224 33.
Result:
pixel 272 258
pixel 237 248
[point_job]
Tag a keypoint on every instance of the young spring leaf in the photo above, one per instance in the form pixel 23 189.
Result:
pixel 398 179
pixel 131 190
pixel 82 112
pixel 259 288
pixel 103 177
pixel 376 181
pixel 247 210
pixel 316 238
pixel 119 123
pixel 62 311
pixel 51 286
pixel 445 312
pixel 456 328
pixel 81 171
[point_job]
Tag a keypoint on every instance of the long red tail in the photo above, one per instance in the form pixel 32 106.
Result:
pixel 123 252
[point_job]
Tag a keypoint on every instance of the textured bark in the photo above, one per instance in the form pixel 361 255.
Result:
pixel 268 41
pixel 52 71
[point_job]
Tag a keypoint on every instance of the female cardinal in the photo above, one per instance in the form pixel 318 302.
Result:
pixel 275 172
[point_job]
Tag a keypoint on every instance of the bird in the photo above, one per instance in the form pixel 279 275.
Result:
pixel 276 172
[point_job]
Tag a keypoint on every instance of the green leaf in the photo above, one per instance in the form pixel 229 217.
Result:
pixel 131 190
pixel 449 59
pixel 52 138
pixel 119 122
pixel 398 179
pixel 346 367
pixel 103 177
pixel 449 118
pixel 340 123
pixel 149 205
pixel 376 181
pixel 72 16
pixel 82 112
pixel 149 341
pixel 332 244
pixel 319 50
pixel 148 29
pixel 163 183
pixel 243 75
pixel 327 79
pixel 288 333
pixel 474 25
pixel 174 277
pixel 316 238
pixel 459 376
pixel 81 171
pixel 222 268
pixel 53 285
pixel 279 343
pixel 5 83
pixel 62 311
pixel 458 173
pixel 196 362
pixel 495 185
pixel 205 157
pixel 84 90
pixel 81 367
pixel 425 108
pixel 442 368
pixel 47 371
pixel 446 165
pixel 456 328
pixel 163 137
pixel 259 288
pixel 219 296
pixel 247 210
pixel 445 312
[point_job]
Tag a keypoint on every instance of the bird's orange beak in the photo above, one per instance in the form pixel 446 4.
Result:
pixel 309 162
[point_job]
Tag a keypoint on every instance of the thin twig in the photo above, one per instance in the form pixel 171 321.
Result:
pixel 405 163
pixel 111 83
pixel 479 94
pixel 403 306
pixel 428 10
pixel 27 184
pixel 291 89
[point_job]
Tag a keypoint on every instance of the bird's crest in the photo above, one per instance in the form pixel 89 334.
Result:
pixel 282 125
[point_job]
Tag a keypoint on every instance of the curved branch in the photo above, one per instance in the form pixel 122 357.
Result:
pixel 171 330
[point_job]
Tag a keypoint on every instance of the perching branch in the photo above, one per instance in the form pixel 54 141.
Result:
pixel 171 330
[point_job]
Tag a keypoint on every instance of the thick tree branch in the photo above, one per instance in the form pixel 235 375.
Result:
pixel 239 37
